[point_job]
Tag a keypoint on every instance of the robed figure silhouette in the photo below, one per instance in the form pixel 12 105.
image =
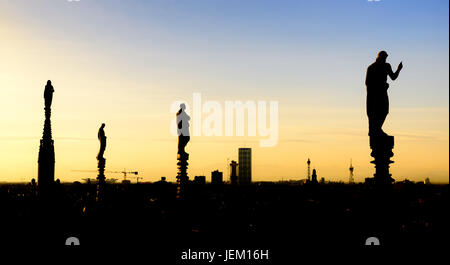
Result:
pixel 377 97
pixel 48 94
pixel 102 139
pixel 101 165
pixel 182 129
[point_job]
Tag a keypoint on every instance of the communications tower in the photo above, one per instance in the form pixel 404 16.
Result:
pixel 350 179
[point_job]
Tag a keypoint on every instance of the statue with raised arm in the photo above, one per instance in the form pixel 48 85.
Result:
pixel 377 104
pixel 377 107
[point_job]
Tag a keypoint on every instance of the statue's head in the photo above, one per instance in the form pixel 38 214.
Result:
pixel 381 56
pixel 183 106
pixel 49 82
pixel 103 125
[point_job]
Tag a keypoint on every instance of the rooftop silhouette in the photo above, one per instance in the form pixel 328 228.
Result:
pixel 220 213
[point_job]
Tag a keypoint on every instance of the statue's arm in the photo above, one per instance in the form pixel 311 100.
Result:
pixel 393 75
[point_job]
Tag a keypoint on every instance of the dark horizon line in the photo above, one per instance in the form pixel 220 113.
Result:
pixel 226 182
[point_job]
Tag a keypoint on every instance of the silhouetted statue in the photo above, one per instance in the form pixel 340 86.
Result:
pixel 101 164
pixel 377 97
pixel 48 94
pixel 182 129
pixel 102 139
pixel 377 110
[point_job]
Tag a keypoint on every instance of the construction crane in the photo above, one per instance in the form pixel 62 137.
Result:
pixel 124 172
pixel 137 178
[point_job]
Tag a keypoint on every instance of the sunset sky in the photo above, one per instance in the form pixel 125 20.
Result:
pixel 124 63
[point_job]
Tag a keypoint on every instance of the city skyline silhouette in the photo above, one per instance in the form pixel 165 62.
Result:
pixel 213 132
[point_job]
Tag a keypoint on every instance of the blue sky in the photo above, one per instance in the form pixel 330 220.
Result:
pixel 279 41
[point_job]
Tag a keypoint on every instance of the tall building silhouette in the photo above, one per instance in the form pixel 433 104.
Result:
pixel 216 177
pixel 199 179
pixel 245 166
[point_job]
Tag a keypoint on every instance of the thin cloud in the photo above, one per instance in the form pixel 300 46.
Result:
pixel 17 138
pixel 416 136
pixel 297 141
